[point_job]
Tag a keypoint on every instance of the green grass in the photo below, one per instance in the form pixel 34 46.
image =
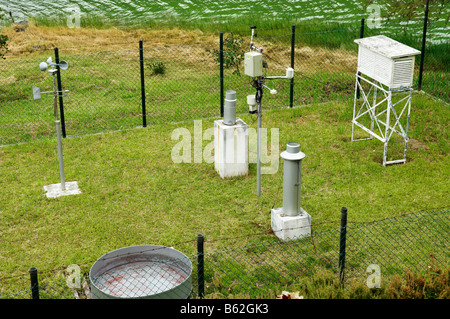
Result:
pixel 133 193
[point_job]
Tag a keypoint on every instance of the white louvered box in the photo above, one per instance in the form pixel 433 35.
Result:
pixel 386 61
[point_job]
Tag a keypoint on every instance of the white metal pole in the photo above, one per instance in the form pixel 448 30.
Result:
pixel 407 122
pixel 258 160
pixel 58 137
pixel 354 108
pixel 60 155
pixel 386 134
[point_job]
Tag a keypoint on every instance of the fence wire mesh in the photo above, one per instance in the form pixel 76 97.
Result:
pixel 21 118
pixel 396 245
pixel 104 92
pixel 408 243
pixel 183 82
pixel 266 268
pixel 411 242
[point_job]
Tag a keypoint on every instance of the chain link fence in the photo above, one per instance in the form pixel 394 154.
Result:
pixel 122 89
pixel 110 90
pixel 396 245
pixel 412 242
pixel 21 118
pixel 104 92
pixel 268 266
pixel 188 86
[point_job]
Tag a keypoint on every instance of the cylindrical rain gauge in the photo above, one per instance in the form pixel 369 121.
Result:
pixel 292 178
pixel 229 110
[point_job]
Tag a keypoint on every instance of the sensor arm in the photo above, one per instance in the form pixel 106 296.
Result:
pixel 289 75
pixel 272 91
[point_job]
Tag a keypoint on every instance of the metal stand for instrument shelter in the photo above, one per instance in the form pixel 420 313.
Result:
pixel 385 70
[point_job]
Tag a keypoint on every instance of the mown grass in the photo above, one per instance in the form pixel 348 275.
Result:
pixel 133 193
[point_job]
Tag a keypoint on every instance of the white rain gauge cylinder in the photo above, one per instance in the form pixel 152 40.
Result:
pixel 291 221
pixel 385 69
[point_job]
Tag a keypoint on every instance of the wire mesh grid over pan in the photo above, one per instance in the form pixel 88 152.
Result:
pixel 142 272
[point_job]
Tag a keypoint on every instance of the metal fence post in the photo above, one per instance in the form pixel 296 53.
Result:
pixel 342 241
pixel 291 93
pixel 34 283
pixel 424 39
pixel 200 266
pixel 60 94
pixel 141 60
pixel 361 35
pixel 361 29
pixel 221 74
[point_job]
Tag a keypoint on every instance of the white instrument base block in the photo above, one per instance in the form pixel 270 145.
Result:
pixel 54 190
pixel 289 228
pixel 231 148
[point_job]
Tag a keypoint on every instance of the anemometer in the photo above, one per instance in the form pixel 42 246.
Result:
pixel 43 66
pixel 254 66
pixel 69 188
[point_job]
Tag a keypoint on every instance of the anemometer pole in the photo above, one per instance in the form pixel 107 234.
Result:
pixel 58 131
pixel 258 84
pixel 69 188
pixel 60 155
pixel 58 136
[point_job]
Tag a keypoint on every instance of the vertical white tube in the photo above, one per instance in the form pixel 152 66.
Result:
pixel 258 160
pixel 292 179
pixel 60 155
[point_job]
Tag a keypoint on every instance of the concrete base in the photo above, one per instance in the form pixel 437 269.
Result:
pixel 290 227
pixel 231 148
pixel 54 190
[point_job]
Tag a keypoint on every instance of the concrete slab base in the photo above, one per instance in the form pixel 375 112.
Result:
pixel 54 190
pixel 290 227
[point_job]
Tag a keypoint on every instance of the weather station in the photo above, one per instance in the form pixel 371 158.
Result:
pixel 254 66
pixel 63 188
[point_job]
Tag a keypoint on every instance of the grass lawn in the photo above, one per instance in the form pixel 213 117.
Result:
pixel 133 193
